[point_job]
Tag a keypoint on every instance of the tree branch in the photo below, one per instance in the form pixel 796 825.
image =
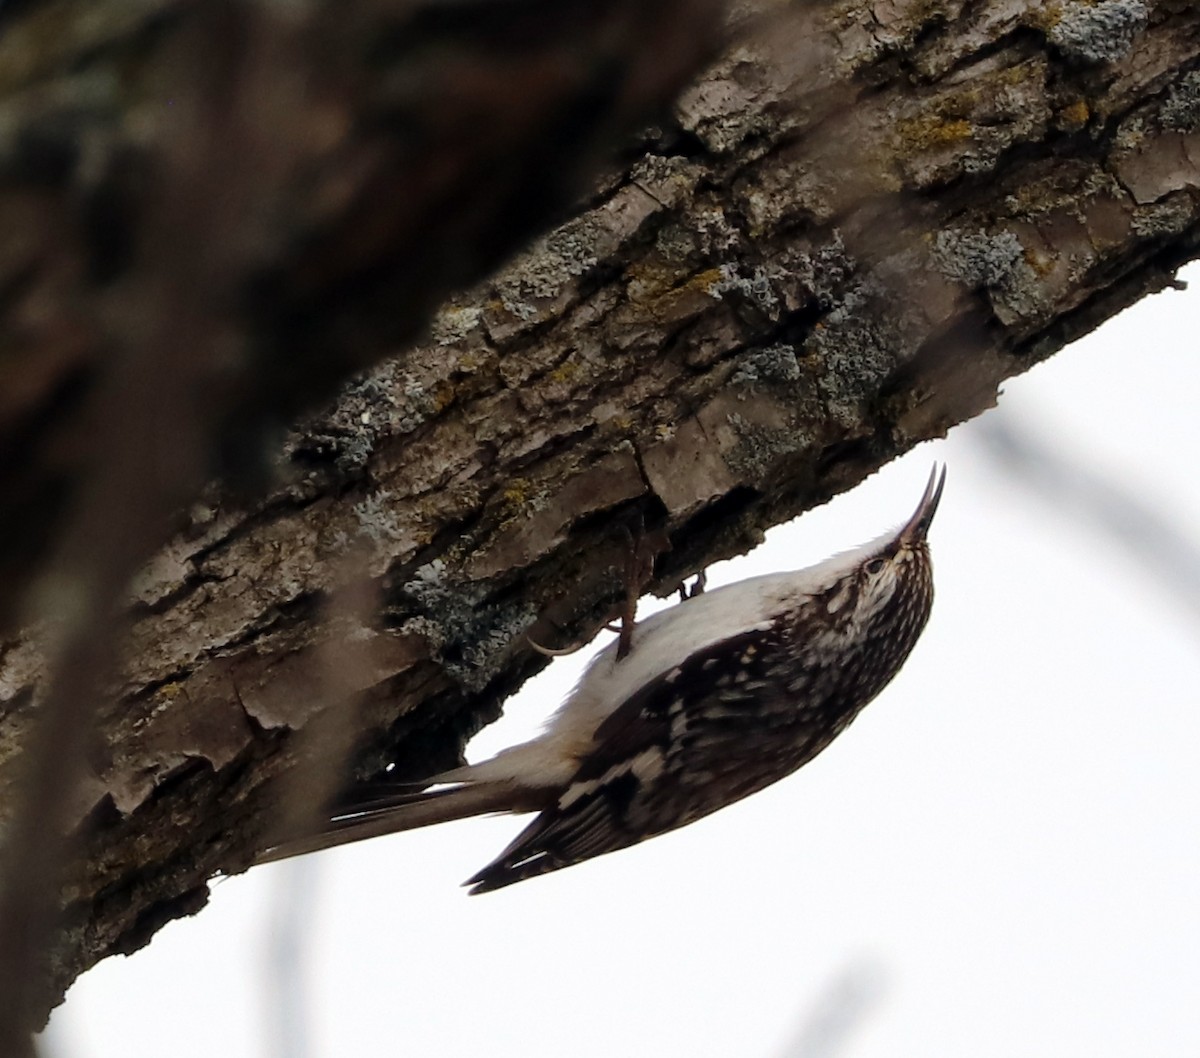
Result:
pixel 855 227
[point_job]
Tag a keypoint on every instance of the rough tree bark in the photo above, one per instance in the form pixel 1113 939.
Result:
pixel 211 212
pixel 853 228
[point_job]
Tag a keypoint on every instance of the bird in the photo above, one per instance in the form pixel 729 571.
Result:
pixel 719 696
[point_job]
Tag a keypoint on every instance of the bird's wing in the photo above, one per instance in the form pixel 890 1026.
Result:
pixel 641 776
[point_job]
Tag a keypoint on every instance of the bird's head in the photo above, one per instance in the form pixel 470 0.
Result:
pixel 888 583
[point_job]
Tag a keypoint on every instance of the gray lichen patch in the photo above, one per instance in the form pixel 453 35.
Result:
pixel 377 520
pixel 676 244
pixel 1180 111
pixel 550 265
pixel 774 365
pixel 1173 215
pixel 823 270
pixel 854 351
pixel 717 237
pixel 455 323
pixel 541 282
pixel 976 258
pixel 761 285
pixel 1101 32
pixel 997 262
pixel 686 247
pixel 470 636
pixel 761 450
pixel 383 402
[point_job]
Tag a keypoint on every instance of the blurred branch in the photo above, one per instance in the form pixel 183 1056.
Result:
pixel 169 328
pixel 842 1008
pixel 213 212
pixel 345 165
pixel 287 963
pixel 1151 540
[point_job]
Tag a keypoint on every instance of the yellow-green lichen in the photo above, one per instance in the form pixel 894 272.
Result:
pixel 565 372
pixel 443 396
pixel 929 131
pixel 516 501
pixel 517 492
pixel 168 692
pixel 704 281
pixel 650 279
pixel 1020 73
pixel 1043 16
pixel 1075 115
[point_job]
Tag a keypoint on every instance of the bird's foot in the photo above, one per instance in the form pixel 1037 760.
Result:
pixel 642 549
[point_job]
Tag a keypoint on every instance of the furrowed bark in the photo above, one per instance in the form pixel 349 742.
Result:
pixel 853 228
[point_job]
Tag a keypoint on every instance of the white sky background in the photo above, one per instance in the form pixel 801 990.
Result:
pixel 1000 857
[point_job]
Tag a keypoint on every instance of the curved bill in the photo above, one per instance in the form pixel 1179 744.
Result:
pixel 918 525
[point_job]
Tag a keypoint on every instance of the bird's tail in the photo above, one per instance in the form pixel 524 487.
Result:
pixel 392 813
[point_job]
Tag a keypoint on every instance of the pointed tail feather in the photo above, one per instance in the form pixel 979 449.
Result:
pixel 498 875
pixel 390 815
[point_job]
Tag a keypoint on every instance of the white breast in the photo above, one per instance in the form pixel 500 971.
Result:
pixel 659 644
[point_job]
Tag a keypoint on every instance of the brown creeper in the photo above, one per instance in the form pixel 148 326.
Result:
pixel 720 696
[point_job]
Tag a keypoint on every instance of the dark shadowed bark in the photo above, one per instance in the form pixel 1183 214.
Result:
pixel 847 234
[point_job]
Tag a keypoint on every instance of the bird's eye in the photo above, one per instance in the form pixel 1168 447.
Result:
pixel 874 566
